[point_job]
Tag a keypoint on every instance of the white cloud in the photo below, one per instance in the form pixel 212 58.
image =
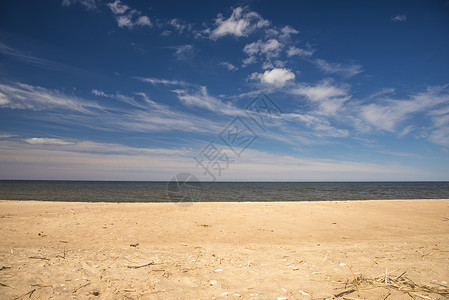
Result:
pixel 127 17
pixel 287 31
pixel 277 77
pixel 228 66
pixel 143 21
pixel 47 141
pixel 399 18
pixel 298 51
pixel 249 60
pixel 270 48
pixel 321 91
pixel 180 26
pixel 117 7
pixel 184 52
pixel 240 23
pixel 337 68
pixel 124 21
pixel 100 93
pixel 4 101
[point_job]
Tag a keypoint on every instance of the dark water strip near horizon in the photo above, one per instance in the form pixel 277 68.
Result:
pixel 127 191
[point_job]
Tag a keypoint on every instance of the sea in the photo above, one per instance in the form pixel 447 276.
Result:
pixel 159 191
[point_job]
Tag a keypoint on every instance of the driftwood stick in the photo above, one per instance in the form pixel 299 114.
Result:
pixel 142 266
pixel 41 258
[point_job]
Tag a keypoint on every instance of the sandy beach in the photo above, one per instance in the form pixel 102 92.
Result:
pixel 301 250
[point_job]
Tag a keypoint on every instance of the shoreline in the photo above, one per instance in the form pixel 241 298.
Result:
pixel 253 250
pixel 229 202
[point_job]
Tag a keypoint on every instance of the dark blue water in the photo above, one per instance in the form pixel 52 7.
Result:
pixel 107 191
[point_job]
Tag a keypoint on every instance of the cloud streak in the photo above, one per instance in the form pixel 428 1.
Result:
pixel 24 96
pixel 338 68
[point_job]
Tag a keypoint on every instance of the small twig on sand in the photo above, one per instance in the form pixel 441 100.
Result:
pixel 42 285
pixel 150 293
pixel 4 268
pixel 424 297
pixel 142 266
pixel 63 254
pixel 2 284
pixel 30 293
pixel 41 258
pixel 126 296
pixel 196 260
pixel 80 287
pixel 47 260
pixel 344 293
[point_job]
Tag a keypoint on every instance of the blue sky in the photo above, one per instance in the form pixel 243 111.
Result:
pixel 225 90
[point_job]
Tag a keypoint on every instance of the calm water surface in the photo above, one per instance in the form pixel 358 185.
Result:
pixel 107 191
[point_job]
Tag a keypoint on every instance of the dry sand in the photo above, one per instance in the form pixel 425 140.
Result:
pixel 299 250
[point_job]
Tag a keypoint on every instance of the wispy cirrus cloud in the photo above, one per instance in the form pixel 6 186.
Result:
pixel 156 81
pixel 27 58
pixel 145 115
pixel 203 100
pixel 24 96
pixel 123 98
pixel 329 96
pixel 388 112
pixel 318 126
pixel 346 70
pixel 292 51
